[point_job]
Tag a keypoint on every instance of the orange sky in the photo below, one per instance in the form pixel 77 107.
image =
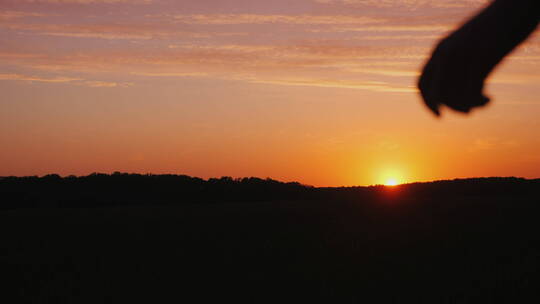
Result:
pixel 316 91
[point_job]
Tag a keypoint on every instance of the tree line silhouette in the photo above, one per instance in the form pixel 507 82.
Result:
pixel 99 190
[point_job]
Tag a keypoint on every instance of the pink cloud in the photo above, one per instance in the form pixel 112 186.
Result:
pixel 71 80
pixel 10 15
pixel 213 19
pixel 37 78
pixel 89 1
pixel 343 84
pixel 408 3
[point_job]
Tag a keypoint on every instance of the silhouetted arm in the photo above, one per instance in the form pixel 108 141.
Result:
pixel 460 63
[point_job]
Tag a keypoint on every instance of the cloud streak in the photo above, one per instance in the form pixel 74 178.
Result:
pixel 11 15
pixel 224 19
pixel 170 74
pixel 107 84
pixel 330 83
pixel 389 28
pixel 37 78
pixel 413 4
pixel 102 31
pixel 71 80
pixel 87 1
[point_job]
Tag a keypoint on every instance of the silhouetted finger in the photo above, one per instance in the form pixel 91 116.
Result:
pixel 427 84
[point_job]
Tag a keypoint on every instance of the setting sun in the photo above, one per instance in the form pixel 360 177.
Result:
pixel 392 174
pixel 391 182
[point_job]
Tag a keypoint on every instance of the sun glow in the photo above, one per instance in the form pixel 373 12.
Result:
pixel 391 175
pixel 391 182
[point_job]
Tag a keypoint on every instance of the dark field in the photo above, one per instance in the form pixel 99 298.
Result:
pixel 469 241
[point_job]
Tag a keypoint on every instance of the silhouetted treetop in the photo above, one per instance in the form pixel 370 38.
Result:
pixel 97 189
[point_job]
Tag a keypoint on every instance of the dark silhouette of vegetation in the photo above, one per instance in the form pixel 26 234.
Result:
pixel 125 238
pixel 99 189
pixel 117 189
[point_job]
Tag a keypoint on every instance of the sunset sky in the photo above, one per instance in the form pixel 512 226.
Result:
pixel 316 91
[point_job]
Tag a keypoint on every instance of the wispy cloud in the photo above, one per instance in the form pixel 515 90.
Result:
pixel 10 15
pixel 226 47
pixel 111 31
pixel 170 74
pixel 515 78
pixel 37 78
pixel 398 37
pixel 223 19
pixel 386 72
pixel 415 4
pixel 233 57
pixel 388 28
pixel 332 83
pixel 103 31
pixel 86 1
pixel 107 84
pixel 71 80
pixel 15 55
pixel 289 64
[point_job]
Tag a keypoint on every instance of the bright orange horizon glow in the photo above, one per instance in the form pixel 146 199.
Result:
pixel 391 182
pixel 319 92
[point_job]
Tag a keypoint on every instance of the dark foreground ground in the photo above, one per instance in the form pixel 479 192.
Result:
pixel 402 246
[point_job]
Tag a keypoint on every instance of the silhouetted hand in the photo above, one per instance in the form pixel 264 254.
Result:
pixel 452 78
pixel 456 73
